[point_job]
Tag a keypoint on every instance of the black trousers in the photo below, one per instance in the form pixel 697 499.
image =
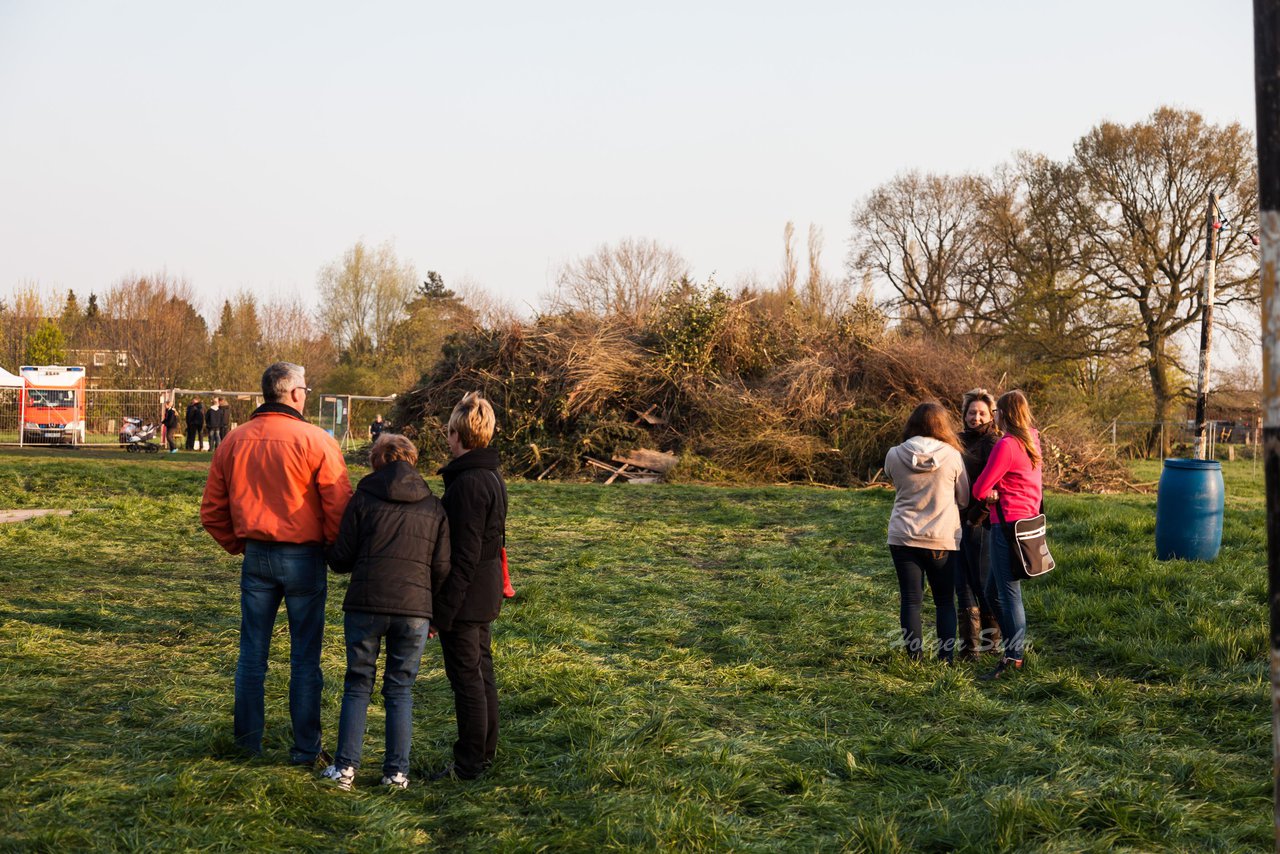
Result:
pixel 468 662
pixel 193 437
pixel 913 566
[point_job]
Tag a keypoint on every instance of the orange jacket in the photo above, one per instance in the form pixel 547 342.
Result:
pixel 276 478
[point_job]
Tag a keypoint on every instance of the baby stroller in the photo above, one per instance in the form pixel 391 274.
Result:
pixel 136 437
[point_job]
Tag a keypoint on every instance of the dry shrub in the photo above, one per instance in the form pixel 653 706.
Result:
pixel 744 396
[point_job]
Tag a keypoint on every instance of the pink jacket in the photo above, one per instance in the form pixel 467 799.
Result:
pixel 1009 470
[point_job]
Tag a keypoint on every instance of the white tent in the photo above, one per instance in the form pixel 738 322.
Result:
pixel 8 380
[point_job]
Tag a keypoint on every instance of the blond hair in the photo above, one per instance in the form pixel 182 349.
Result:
pixel 473 421
pixel 391 447
pixel 1015 412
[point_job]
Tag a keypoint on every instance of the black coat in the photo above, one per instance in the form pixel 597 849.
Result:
pixel 475 498
pixel 978 445
pixel 170 420
pixel 195 416
pixel 215 419
pixel 394 540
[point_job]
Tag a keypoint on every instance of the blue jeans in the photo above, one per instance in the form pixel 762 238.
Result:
pixel 406 636
pixel 296 574
pixel 1004 589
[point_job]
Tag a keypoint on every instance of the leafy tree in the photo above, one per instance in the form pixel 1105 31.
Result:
pixel 414 344
pixel 363 297
pixel 46 346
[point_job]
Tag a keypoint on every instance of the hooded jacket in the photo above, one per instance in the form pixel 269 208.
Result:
pixel 475 499
pixel 394 540
pixel 932 486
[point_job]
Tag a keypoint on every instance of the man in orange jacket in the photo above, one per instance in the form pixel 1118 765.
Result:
pixel 276 491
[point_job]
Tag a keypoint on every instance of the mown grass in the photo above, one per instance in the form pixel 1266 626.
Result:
pixel 686 668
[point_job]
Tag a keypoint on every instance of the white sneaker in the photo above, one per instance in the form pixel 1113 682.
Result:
pixel 397 780
pixel 344 778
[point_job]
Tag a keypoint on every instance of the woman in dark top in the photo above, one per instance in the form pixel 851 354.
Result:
pixel 475 499
pixel 979 625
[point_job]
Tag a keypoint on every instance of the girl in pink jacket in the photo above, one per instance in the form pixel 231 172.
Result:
pixel 1011 482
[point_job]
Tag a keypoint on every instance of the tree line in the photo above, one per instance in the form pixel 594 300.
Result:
pixel 1076 278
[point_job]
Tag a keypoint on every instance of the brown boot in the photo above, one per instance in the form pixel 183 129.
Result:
pixel 970 632
pixel 990 634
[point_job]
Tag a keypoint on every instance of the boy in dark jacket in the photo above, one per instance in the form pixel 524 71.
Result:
pixel 475 499
pixel 394 540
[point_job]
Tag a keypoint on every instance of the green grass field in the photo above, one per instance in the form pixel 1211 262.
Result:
pixel 686 668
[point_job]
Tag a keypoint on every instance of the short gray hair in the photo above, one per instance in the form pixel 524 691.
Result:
pixel 280 378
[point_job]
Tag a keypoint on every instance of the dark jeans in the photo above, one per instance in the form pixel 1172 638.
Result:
pixel 193 438
pixel 215 439
pixel 913 566
pixel 972 569
pixel 296 574
pixel 1006 590
pixel 169 440
pixel 406 637
pixel 468 663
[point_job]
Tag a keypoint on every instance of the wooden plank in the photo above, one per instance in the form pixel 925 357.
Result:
pixel 614 476
pixel 646 458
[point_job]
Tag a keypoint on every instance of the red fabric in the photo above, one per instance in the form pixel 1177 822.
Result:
pixel 278 479
pixel 507 590
pixel 1009 470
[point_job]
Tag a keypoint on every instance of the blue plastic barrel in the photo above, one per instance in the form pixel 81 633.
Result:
pixel 1189 507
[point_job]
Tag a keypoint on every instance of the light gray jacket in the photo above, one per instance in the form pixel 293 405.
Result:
pixel 931 486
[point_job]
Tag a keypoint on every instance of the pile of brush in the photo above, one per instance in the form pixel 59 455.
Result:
pixel 739 392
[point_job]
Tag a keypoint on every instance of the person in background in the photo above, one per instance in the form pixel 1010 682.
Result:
pixel 195 424
pixel 475 499
pixel 394 541
pixel 215 422
pixel 931 486
pixel 170 424
pixel 1012 483
pixel 376 428
pixel 276 492
pixel 979 629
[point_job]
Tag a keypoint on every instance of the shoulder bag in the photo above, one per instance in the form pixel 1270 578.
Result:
pixel 1030 549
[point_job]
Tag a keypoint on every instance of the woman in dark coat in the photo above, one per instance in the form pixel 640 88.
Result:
pixel 979 625
pixel 475 498
pixel 170 424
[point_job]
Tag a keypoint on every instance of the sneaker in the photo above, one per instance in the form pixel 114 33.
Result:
pixel 344 778
pixel 398 780
pixel 1006 667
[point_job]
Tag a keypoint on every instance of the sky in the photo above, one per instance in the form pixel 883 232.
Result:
pixel 244 146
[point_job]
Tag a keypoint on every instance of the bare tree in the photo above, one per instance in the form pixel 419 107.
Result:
pixel 790 274
pixel 1141 210
pixel 364 294
pixel 20 315
pixel 919 234
pixel 153 319
pixel 1036 301
pixel 291 333
pixel 623 280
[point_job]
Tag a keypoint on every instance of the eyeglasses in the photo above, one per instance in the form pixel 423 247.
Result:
pixel 305 388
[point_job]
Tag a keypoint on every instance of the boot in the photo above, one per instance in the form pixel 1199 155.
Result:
pixel 990 629
pixel 970 633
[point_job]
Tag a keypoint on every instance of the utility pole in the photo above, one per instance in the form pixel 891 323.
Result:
pixel 1212 223
pixel 1266 70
